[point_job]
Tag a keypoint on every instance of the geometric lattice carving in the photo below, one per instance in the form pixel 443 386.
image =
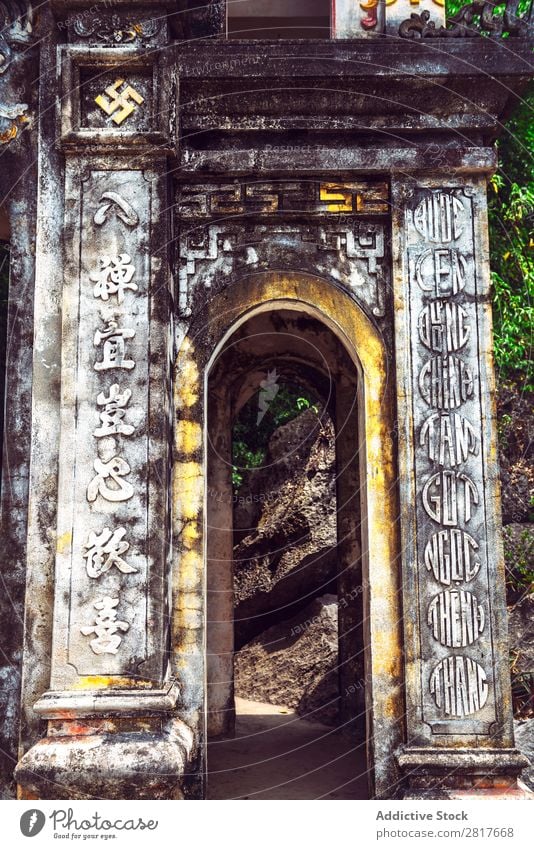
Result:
pixel 352 255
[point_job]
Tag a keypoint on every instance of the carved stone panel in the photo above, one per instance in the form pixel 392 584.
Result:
pixel 113 97
pixel 453 637
pixel 108 606
pixel 283 197
pixel 351 253
pixel 336 229
pixel 116 28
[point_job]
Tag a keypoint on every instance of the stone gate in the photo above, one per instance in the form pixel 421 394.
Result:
pixel 166 184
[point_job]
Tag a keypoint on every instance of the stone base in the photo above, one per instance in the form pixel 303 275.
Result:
pixel 461 773
pixel 138 765
pixel 473 793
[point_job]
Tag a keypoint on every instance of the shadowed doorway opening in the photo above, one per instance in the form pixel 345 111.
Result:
pixel 285 646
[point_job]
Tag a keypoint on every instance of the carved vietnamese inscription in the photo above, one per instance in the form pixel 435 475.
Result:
pixel 459 686
pixel 447 464
pixel 456 618
pixel 449 439
pixel 451 557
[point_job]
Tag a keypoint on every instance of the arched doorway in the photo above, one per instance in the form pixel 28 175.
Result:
pixel 359 398
pixel 272 351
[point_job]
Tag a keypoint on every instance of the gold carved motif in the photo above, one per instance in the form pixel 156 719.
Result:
pixel 119 103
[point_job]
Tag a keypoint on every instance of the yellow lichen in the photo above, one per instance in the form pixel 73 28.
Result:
pixel 188 437
pixel 188 490
pixel 63 542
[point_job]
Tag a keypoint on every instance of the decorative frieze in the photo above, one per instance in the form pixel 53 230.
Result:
pixel 312 197
pixel 112 29
pixel 352 255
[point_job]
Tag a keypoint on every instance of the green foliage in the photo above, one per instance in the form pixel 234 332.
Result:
pixel 511 219
pixel 454 6
pixel 518 555
pixel 250 438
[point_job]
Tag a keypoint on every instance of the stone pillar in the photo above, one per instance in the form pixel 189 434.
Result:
pixel 351 588
pixel 18 193
pixel 111 701
pixel 458 704
pixel 219 567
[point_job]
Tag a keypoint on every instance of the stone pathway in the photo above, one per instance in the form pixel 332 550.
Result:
pixel 277 755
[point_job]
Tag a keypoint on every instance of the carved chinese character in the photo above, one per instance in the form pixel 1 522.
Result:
pixel 114 470
pixel 106 641
pixel 113 414
pixel 113 277
pixel 120 206
pixel 103 551
pixel 114 349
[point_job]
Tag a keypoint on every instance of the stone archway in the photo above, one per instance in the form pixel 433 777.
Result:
pixel 303 352
pixel 318 305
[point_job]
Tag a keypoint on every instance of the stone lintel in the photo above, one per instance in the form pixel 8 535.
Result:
pixel 235 163
pixel 71 704
pixel 356 57
pixel 359 122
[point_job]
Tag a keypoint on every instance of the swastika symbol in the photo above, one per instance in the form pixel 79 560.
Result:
pixel 119 100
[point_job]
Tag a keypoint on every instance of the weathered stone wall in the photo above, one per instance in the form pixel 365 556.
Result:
pixel 18 169
pixel 279 199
